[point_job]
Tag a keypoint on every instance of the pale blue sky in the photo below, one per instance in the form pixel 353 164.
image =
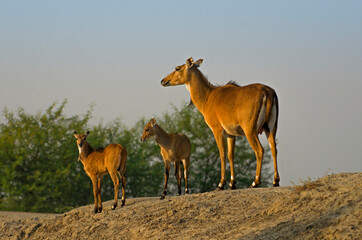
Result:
pixel 114 54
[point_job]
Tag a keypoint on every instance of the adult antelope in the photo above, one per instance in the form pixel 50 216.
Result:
pixel 231 111
pixel 175 148
pixel 97 163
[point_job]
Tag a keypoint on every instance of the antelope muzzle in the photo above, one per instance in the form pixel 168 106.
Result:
pixel 165 83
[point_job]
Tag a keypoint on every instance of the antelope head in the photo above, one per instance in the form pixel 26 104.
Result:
pixel 81 139
pixel 180 75
pixel 148 131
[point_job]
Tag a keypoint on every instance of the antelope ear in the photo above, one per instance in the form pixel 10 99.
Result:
pixel 189 62
pixel 153 122
pixel 75 134
pixel 198 63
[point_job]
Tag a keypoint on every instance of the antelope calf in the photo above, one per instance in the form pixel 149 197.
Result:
pixel 97 163
pixel 175 148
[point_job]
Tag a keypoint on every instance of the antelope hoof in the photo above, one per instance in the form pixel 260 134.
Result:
pixel 123 202
pixel 95 210
pixel 232 186
pixel 276 184
pixel 164 193
pixel 253 185
pixel 114 206
pixel 220 187
pixel 186 191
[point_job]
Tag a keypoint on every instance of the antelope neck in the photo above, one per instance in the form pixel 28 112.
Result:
pixel 162 137
pixel 87 149
pixel 200 89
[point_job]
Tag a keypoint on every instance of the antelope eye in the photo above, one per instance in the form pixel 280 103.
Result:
pixel 147 130
pixel 177 68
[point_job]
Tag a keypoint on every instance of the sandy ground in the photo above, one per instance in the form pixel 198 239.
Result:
pixel 329 208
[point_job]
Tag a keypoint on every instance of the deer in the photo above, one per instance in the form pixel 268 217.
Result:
pixel 175 148
pixel 230 111
pixel 111 159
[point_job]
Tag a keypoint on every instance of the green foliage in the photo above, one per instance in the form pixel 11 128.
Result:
pixel 39 170
pixel 38 162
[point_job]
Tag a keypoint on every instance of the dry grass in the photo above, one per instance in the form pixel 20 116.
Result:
pixel 308 184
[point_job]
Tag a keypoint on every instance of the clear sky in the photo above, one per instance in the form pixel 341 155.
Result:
pixel 114 54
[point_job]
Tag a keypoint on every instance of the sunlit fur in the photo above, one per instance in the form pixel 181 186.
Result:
pixel 232 110
pixel 111 159
pixel 175 148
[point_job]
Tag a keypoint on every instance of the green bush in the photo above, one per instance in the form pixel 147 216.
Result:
pixel 39 171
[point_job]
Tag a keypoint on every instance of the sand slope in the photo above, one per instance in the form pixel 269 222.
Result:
pixel 329 208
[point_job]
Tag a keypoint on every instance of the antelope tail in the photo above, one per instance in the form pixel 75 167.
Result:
pixel 262 115
pixel 273 119
pixel 123 159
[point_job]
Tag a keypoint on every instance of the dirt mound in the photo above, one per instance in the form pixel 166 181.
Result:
pixel 329 208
